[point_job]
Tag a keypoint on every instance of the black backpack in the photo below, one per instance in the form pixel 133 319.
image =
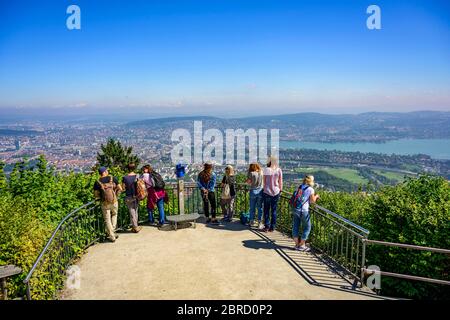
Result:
pixel 158 181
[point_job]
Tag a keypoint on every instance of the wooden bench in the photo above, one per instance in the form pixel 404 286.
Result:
pixel 175 219
pixel 5 273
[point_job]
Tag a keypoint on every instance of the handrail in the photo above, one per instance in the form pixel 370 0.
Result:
pixel 401 275
pixel 405 276
pixel 354 225
pixel 50 240
pixel 408 246
pixel 337 216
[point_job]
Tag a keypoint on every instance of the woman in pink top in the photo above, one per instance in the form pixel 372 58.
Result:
pixel 273 184
pixel 155 196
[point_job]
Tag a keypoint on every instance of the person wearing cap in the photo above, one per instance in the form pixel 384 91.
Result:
pixel 108 184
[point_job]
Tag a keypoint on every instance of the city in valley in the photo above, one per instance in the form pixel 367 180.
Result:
pixel 73 146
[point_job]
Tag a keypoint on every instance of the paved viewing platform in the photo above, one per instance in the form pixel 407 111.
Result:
pixel 226 261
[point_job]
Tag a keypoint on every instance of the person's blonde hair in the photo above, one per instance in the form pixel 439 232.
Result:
pixel 309 180
pixel 230 170
pixel 273 162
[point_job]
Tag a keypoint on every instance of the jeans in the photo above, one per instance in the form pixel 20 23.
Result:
pixel 209 199
pixel 270 206
pixel 256 203
pixel 302 219
pixel 160 206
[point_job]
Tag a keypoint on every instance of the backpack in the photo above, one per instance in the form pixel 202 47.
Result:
pixel 296 199
pixel 226 192
pixel 108 192
pixel 158 181
pixel 244 217
pixel 141 189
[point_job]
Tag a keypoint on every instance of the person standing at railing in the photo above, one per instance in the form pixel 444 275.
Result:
pixel 155 194
pixel 206 181
pixel 129 183
pixel 228 193
pixel 273 185
pixel 255 181
pixel 300 201
pixel 106 189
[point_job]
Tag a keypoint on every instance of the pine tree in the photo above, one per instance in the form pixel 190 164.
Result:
pixel 114 155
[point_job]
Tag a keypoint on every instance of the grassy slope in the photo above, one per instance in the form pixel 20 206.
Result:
pixel 343 173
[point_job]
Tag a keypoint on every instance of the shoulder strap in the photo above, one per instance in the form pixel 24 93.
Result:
pixel 303 190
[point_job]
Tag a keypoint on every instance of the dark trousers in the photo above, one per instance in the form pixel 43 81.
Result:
pixel 209 199
pixel 270 210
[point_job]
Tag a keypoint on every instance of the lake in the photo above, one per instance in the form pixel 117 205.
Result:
pixel 435 148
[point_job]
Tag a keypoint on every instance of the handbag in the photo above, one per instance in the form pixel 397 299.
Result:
pixel 226 192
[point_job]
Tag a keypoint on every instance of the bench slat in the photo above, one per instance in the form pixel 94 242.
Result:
pixel 9 270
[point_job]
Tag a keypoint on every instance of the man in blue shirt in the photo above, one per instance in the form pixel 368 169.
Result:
pixel 206 182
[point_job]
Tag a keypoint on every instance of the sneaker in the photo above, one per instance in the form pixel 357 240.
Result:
pixel 208 220
pixel 304 249
pixel 270 230
pixel 260 226
pixel 136 229
pixel 215 221
pixel 265 229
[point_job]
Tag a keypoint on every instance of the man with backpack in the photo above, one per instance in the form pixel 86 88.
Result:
pixel 300 202
pixel 130 183
pixel 106 189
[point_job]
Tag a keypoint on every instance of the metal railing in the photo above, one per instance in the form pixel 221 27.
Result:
pixel 366 271
pixel 333 236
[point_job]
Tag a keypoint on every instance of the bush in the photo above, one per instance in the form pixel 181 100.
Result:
pixel 414 212
pixel 22 236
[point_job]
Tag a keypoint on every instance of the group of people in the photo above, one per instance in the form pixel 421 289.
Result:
pixel 107 188
pixel 265 187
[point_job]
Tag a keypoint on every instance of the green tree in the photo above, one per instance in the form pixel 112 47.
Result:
pixel 114 155
pixel 414 212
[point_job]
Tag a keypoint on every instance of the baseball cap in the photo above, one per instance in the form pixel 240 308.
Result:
pixel 102 169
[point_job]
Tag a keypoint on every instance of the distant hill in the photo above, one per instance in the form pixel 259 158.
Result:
pixel 163 121
pixel 372 126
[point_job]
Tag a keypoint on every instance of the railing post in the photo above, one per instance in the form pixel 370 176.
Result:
pixel 363 260
pixel 28 291
pixel 180 190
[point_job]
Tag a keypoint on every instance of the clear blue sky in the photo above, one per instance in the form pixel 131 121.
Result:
pixel 247 56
